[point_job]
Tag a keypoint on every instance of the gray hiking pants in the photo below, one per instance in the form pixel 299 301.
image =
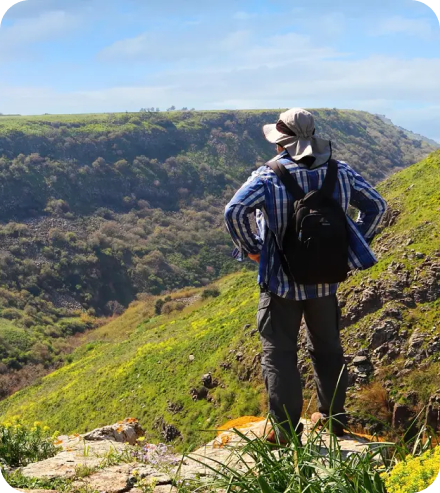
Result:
pixel 279 321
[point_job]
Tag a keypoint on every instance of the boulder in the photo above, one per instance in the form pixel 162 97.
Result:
pixel 127 431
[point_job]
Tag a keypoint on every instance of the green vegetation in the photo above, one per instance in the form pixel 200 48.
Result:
pixel 149 371
pixel 99 209
pixel 318 465
pixel 150 366
pixel 415 474
pixel 21 445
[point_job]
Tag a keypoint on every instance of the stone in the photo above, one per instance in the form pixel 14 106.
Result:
pixel 239 356
pixel 114 479
pixel 198 394
pixel 360 360
pixel 402 416
pixel 432 419
pixel 191 357
pixel 150 474
pixel 127 431
pixel 75 453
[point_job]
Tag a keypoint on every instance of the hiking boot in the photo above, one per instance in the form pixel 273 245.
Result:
pixel 276 440
pixel 320 421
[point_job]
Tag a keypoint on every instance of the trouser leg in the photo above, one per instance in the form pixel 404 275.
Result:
pixel 279 321
pixel 324 345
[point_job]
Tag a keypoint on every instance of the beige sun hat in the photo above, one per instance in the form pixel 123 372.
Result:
pixel 295 132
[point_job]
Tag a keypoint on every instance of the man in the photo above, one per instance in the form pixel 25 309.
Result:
pixel 283 302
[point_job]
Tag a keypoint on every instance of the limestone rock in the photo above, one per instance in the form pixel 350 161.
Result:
pixel 115 479
pixel 127 431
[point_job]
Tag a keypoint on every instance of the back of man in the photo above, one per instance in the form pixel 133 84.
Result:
pixel 283 301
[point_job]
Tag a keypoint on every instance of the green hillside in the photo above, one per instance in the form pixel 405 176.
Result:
pixel 100 209
pixel 391 317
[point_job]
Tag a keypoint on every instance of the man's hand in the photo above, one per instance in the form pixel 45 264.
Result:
pixel 254 257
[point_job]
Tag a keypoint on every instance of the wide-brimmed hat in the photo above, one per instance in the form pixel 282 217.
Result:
pixel 295 132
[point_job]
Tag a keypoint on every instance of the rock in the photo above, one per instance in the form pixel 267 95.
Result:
pixel 114 479
pixel 432 419
pixel 63 465
pixel 420 255
pixel 174 407
pixel 247 326
pixel 209 382
pixel 127 431
pixel 191 357
pixel 225 366
pixel 383 333
pixel 239 356
pixel 170 432
pixel 198 394
pixel 360 360
pixel 415 342
pixel 405 418
pixel 145 471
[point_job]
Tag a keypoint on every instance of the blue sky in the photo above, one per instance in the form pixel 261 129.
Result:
pixel 80 56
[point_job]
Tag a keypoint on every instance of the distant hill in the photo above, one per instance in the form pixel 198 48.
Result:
pixel 411 134
pixel 98 209
pixel 195 369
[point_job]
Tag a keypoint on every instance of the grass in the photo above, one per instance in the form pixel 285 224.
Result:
pixel 139 364
pixel 319 465
pixel 140 375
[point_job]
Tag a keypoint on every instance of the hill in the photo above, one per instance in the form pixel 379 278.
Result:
pixel 155 370
pixel 99 209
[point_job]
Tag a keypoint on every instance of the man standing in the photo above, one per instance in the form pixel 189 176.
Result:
pixel 273 201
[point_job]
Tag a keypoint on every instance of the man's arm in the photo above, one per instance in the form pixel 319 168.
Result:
pixel 249 198
pixel 370 203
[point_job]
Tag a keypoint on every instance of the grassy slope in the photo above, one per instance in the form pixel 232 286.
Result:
pixel 110 380
pixel 103 223
pixel 137 377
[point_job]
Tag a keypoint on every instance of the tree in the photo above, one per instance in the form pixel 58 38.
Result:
pixel 172 108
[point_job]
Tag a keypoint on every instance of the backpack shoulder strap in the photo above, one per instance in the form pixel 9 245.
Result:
pixel 287 179
pixel 331 178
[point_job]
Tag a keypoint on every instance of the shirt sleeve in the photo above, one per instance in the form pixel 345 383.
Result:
pixel 245 202
pixel 370 203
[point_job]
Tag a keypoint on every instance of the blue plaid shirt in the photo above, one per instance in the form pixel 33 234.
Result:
pixel 265 197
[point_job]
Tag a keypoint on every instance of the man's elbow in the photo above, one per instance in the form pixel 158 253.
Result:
pixel 229 213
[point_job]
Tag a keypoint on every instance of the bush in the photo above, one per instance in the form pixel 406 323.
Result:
pixel 20 445
pixel 10 314
pixel 415 474
pixel 210 293
pixel 158 306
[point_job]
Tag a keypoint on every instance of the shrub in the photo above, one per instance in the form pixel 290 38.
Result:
pixel 10 314
pixel 210 293
pixel 158 306
pixel 414 474
pixel 20 445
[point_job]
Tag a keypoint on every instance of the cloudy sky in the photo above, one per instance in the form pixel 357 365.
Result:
pixel 79 56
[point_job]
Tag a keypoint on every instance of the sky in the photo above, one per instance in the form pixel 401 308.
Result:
pixel 89 56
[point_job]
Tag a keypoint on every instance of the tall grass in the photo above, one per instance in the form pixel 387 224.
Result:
pixel 319 465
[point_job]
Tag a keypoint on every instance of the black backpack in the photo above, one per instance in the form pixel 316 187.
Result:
pixel 315 245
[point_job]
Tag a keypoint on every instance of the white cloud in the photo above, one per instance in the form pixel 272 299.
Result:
pixel 421 28
pixel 244 16
pixel 36 8
pixel 18 39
